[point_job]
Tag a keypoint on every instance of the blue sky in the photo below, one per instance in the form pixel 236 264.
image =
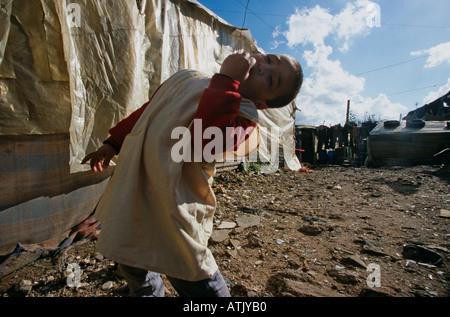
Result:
pixel 387 57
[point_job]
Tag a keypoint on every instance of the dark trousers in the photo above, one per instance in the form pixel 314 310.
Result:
pixel 143 283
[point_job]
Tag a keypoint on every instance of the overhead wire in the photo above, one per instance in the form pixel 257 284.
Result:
pixel 415 89
pixel 393 65
pixel 362 73
pixel 257 15
pixel 382 23
pixel 416 26
pixel 245 14
pixel 252 12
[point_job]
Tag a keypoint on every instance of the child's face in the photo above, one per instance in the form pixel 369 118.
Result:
pixel 271 76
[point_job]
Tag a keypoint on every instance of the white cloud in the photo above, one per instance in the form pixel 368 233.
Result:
pixel 433 95
pixel 352 21
pixel 326 91
pixel 324 95
pixel 322 109
pixel 313 26
pixel 309 26
pixel 381 107
pixel 439 54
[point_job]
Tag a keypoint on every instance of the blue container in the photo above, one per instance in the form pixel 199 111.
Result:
pixel 331 157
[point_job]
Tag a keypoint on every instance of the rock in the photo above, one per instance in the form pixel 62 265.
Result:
pixel 354 260
pixel 292 283
pixel 239 290
pixel 227 225
pixel 445 213
pixel 252 294
pixel 313 219
pixel 220 190
pixel 370 248
pixel 232 253
pixel 311 230
pixel 370 292
pixel 248 221
pixel 107 285
pixel 376 193
pixel 343 276
pixel 254 240
pixel 220 235
pixel 99 257
pixel 24 286
pixel 235 243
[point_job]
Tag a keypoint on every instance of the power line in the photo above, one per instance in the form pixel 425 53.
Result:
pixel 259 13
pixel 365 72
pixel 263 21
pixel 393 65
pixel 415 89
pixel 416 26
pixel 245 14
pixel 256 15
pixel 382 24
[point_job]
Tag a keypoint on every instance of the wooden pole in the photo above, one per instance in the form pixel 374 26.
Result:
pixel 348 111
pixel 346 155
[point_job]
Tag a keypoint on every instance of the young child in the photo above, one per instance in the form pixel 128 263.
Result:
pixel 156 212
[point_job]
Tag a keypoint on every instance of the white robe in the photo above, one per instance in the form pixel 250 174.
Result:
pixel 157 214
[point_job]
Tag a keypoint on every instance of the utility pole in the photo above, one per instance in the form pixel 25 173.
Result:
pixel 346 154
pixel 348 111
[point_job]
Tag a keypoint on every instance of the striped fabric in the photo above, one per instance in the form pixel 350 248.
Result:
pixel 40 201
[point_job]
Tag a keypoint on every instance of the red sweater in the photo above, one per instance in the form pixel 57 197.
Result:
pixel 218 107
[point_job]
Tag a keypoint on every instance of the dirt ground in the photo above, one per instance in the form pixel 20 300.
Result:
pixel 339 231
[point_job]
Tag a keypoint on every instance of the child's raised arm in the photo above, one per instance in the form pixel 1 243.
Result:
pixel 237 66
pixel 220 103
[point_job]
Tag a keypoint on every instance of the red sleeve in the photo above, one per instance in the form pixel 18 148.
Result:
pixel 124 127
pixel 219 107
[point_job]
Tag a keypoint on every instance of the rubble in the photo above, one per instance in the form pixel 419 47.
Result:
pixel 339 231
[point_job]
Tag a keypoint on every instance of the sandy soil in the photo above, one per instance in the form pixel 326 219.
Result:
pixel 339 231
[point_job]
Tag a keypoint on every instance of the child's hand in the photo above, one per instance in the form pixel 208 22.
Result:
pixel 238 66
pixel 100 159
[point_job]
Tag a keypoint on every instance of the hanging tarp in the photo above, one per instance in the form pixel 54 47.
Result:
pixel 69 71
